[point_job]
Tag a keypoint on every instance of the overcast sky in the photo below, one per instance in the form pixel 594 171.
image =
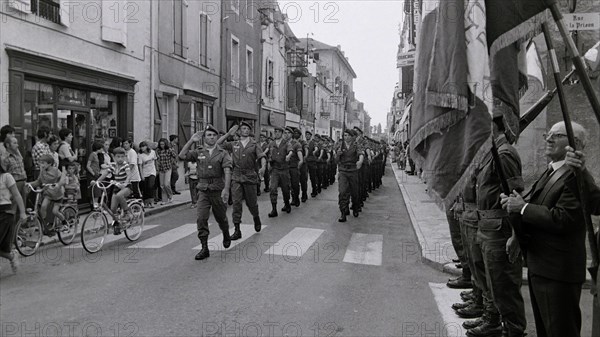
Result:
pixel 367 30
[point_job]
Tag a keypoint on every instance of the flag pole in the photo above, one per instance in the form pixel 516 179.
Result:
pixel 582 188
pixel 575 57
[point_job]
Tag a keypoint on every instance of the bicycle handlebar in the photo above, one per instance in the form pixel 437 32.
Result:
pixel 104 186
pixel 39 190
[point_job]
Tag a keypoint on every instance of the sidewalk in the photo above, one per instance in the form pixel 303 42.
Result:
pixel 431 226
pixel 178 200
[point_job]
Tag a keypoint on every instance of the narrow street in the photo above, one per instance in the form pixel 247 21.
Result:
pixel 304 274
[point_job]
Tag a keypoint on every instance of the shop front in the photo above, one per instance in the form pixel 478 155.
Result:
pixel 95 106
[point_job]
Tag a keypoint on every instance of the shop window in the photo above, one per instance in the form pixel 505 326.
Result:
pixel 103 115
pixel 71 96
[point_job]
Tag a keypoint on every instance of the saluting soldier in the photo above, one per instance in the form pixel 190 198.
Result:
pixel 295 162
pixel 304 167
pixel 245 152
pixel 350 160
pixel 312 151
pixel 214 181
pixel 280 154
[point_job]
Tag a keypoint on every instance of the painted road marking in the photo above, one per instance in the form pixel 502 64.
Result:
pixel 166 238
pixel 111 238
pixel 295 243
pixel 365 249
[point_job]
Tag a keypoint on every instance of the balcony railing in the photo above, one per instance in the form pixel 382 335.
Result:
pixel 46 9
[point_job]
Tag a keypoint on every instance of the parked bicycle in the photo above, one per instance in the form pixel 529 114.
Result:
pixel 29 231
pixel 95 226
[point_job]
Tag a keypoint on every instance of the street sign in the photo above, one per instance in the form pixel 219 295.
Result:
pixel 582 21
pixel 405 59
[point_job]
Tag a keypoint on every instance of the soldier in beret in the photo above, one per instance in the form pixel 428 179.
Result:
pixel 214 180
pixel 350 161
pixel 280 152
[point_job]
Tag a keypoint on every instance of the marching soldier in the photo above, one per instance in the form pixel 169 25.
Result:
pixel 303 168
pixel 214 180
pixel 264 145
pixel 499 244
pixel 312 151
pixel 280 153
pixel 332 163
pixel 245 152
pixel 321 162
pixel 350 160
pixel 362 175
pixel 295 162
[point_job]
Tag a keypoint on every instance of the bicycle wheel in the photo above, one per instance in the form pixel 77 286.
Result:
pixel 67 234
pixel 93 231
pixel 136 224
pixel 28 235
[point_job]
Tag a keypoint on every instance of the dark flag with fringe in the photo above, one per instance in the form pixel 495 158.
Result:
pixel 467 69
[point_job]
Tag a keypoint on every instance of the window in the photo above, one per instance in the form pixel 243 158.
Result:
pixel 47 9
pixel 204 32
pixel 269 79
pixel 235 61
pixel 249 13
pixel 249 69
pixel 178 27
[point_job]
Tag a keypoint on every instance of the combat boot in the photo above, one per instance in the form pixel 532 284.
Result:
pixel 237 234
pixel 461 305
pixel 304 197
pixel 460 283
pixel 491 327
pixel 257 224
pixel 466 295
pixel 472 311
pixel 286 208
pixel 273 213
pixel 295 202
pixel 204 253
pixel 343 217
pixel 475 322
pixel 227 239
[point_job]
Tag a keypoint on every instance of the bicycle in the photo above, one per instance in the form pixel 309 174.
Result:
pixel 29 231
pixel 95 226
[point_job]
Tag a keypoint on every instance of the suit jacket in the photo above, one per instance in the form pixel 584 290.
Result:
pixel 593 191
pixel 554 220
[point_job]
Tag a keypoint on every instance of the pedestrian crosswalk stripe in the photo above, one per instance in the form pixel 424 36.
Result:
pixel 216 243
pixel 445 297
pixel 166 238
pixel 365 249
pixel 295 243
pixel 111 238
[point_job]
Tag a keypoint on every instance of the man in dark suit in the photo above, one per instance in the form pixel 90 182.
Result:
pixel 556 256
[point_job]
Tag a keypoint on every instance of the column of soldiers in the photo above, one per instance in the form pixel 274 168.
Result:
pixel 497 234
pixel 231 166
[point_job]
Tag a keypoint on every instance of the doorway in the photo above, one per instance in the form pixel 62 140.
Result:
pixel 78 121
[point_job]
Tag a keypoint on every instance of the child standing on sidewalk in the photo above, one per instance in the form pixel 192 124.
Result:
pixel 192 176
pixel 9 193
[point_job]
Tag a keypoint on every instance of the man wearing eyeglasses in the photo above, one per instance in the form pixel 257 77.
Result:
pixel 556 254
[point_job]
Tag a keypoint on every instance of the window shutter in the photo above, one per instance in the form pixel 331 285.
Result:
pixel 158 98
pixel 114 27
pixel 65 13
pixel 21 5
pixel 185 119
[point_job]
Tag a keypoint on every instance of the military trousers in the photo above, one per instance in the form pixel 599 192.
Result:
pixel 348 189
pixel 280 179
pixel 458 243
pixel 267 177
pixel 314 177
pixel 206 200
pixel 304 179
pixel 321 168
pixel 332 172
pixel 240 192
pixel 504 279
pixel 472 250
pixel 295 183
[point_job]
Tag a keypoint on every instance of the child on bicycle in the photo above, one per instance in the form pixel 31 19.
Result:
pixel 52 182
pixel 121 174
pixel 72 188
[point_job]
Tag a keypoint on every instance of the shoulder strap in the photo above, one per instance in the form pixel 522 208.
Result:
pixel 562 171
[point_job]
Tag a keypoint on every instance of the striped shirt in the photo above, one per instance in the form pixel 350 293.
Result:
pixel 119 173
pixel 13 164
pixel 38 150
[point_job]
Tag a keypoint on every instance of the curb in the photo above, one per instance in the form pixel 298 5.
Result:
pixel 448 267
pixel 150 212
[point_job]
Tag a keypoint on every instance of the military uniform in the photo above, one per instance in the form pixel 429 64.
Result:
pixel 348 154
pixel 303 169
pixel 211 172
pixel 504 279
pixel 266 176
pixel 244 180
pixel 313 151
pixel 322 164
pixel 280 174
pixel 294 169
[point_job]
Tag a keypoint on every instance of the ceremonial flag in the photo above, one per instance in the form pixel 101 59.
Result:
pixel 592 59
pixel 467 70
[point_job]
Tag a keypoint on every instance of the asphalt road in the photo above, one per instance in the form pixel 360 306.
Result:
pixel 304 274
